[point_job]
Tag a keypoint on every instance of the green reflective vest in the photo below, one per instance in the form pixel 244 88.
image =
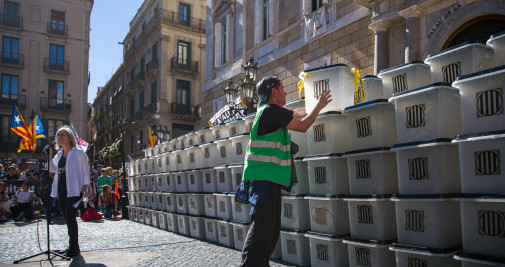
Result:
pixel 268 157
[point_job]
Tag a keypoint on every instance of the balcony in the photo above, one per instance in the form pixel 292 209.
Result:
pixel 139 79
pixel 189 66
pixel 184 109
pixel 174 17
pixel 20 101
pixel 57 29
pixel 11 21
pixel 47 103
pixel 151 109
pixel 13 60
pixel 152 68
pixel 52 65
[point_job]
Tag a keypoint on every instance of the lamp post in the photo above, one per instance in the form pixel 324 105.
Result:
pixel 248 87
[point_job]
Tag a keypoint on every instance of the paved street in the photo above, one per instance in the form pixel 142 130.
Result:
pixel 113 243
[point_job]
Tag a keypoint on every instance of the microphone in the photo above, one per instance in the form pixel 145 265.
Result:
pixel 52 145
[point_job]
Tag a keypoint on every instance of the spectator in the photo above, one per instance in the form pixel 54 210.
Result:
pixel 5 204
pixel 108 202
pixel 29 172
pixel 11 173
pixel 2 171
pixel 103 180
pixel 24 198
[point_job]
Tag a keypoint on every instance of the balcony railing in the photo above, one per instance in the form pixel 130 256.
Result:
pixel 11 21
pixel 17 60
pixel 57 28
pixel 47 103
pixel 152 65
pixel 170 16
pixel 190 66
pixel 20 101
pixel 186 109
pixel 139 77
pixel 54 65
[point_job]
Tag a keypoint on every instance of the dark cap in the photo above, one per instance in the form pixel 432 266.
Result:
pixel 264 87
pixel 99 166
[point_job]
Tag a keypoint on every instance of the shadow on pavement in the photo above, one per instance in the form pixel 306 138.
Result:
pixel 79 261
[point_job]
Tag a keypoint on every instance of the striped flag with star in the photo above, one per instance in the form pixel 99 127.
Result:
pixel 18 124
pixel 152 139
pixel 37 131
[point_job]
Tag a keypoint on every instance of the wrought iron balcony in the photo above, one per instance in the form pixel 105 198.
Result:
pixel 139 77
pixel 188 66
pixel 152 65
pixel 11 21
pixel 47 103
pixel 51 64
pixel 170 16
pixel 57 28
pixel 13 60
pixel 20 101
pixel 185 109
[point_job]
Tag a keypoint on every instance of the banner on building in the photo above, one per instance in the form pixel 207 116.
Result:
pixel 228 113
pixel 315 24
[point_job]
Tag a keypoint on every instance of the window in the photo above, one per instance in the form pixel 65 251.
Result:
pixel 223 36
pixel 132 108
pixel 183 54
pixel 55 93
pixel 57 24
pixel 10 87
pixel 316 4
pixel 154 52
pixel 218 104
pixel 184 14
pixel 265 19
pixel 141 134
pixel 7 134
pixel 310 6
pixel 224 43
pixel 154 91
pixel 11 14
pixel 141 101
pixel 56 56
pixel 180 129
pixel 183 92
pixel 142 65
pixel 52 126
pixel 132 77
pixel 10 50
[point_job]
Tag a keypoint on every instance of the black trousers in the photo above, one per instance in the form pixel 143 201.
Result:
pixel 70 213
pixel 23 207
pixel 264 231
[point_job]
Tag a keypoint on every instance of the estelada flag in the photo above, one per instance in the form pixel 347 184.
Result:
pixel 152 139
pixel 18 125
pixel 37 131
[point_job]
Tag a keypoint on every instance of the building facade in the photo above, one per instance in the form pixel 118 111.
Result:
pixel 158 85
pixel 363 34
pixel 44 65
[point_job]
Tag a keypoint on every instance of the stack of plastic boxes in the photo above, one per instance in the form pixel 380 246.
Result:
pixel 481 156
pixel 372 172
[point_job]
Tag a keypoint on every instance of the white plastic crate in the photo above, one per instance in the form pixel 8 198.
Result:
pixel 209 154
pixel 483 223
pixel 158 182
pixel 211 230
pixel 428 168
pixel 170 202
pixel 151 198
pixel 148 152
pixel 372 218
pixel 142 215
pixel 195 181
pixel 477 260
pixel 181 201
pixel 236 175
pixel 277 253
pixel 458 60
pixel 224 153
pixel 220 131
pixel 225 234
pixel 181 182
pixel 183 224
pixel 149 182
pixel 181 160
pixel 404 77
pixel 372 172
pixel 295 248
pixel 150 165
pixel 223 207
pixel 240 212
pixel 147 216
pixel 224 179
pixel 143 199
pixel 326 250
pixel 336 78
pixel 328 134
pixel 249 119
pixel 183 141
pixel 174 145
pixel 239 234
pixel 172 222
pixel 300 139
pixel 497 42
pixel 196 204
pixel 373 89
pixel 191 139
pixel 426 113
pixel 210 205
pixel 195 160
pixel 302 175
pixel 162 220
pixel 160 201
pixel 132 185
pixel 168 180
pixel 295 213
pixel 236 127
pixel 205 135
pixel 369 254
pixel 238 147
pixel 131 213
pixel 328 215
pixel 209 180
pixel 480 162
pixel 143 183
pixel 294 104
pixel 158 164
pixel 371 124
pixel 418 257
pixel 428 222
pixel 154 218
pixel 137 199
pixel 131 199
pixel 327 174
pixel 196 227
pixel 482 100
pixel 135 213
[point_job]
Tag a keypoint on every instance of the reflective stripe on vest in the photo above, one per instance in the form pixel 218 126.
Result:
pixel 268 144
pixel 267 159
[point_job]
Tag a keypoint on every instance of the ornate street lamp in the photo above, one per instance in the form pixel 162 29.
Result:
pixel 230 93
pixel 251 69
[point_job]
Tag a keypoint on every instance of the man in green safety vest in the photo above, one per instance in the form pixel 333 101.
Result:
pixel 267 166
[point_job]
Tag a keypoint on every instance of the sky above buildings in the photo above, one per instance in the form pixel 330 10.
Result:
pixel 110 22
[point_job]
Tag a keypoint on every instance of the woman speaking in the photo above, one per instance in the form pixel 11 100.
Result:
pixel 71 179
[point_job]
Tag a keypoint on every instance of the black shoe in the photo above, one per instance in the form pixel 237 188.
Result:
pixel 71 253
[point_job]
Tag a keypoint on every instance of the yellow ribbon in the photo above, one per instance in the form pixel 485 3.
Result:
pixel 358 82
pixel 301 84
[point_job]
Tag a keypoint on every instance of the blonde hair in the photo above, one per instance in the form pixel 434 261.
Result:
pixel 70 136
pixel 106 195
pixel 109 171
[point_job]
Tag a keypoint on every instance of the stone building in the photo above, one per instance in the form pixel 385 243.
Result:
pixel 159 82
pixel 370 35
pixel 44 65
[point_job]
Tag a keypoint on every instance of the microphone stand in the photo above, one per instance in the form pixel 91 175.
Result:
pixel 48 251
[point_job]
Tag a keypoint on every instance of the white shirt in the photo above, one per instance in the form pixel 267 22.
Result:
pixel 24 197
pixel 76 171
